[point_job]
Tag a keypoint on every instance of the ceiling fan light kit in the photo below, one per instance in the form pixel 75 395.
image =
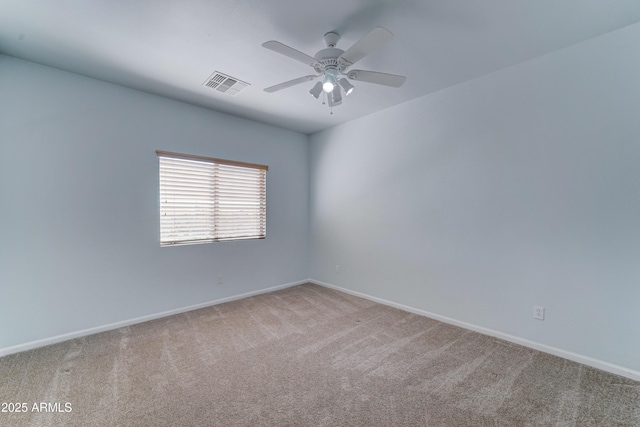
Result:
pixel 331 62
pixel 336 96
pixel 348 87
pixel 316 90
pixel 329 79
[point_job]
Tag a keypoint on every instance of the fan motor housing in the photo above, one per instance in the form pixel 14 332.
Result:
pixel 329 53
pixel 328 57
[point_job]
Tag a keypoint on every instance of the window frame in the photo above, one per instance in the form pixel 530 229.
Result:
pixel 224 173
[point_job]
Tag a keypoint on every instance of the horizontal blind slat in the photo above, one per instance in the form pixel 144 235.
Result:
pixel 204 201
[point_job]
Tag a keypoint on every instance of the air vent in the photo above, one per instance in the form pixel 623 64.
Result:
pixel 225 84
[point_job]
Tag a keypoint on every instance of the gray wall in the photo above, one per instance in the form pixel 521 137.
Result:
pixel 478 202
pixel 520 188
pixel 79 245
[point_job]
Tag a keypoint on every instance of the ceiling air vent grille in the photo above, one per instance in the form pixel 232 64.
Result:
pixel 225 84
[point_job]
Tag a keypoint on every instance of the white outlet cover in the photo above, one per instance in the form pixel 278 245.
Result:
pixel 538 312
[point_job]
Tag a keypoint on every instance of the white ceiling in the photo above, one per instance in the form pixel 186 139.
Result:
pixel 170 47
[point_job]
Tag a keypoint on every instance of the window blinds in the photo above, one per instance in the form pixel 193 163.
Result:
pixel 204 199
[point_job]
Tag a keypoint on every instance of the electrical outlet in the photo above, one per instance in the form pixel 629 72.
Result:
pixel 220 279
pixel 538 312
pixel 337 269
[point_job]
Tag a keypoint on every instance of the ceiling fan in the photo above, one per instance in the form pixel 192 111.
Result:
pixel 332 65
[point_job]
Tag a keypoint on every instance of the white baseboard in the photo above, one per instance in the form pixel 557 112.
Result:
pixel 585 360
pixel 90 331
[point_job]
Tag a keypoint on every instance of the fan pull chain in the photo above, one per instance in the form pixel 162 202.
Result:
pixel 324 95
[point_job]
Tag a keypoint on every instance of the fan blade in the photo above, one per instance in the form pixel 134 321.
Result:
pixel 290 83
pixel 377 78
pixel 290 52
pixel 376 38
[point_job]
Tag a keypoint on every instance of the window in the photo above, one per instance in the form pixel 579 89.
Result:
pixel 208 200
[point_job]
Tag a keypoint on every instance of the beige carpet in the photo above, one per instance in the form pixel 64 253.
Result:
pixel 306 356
